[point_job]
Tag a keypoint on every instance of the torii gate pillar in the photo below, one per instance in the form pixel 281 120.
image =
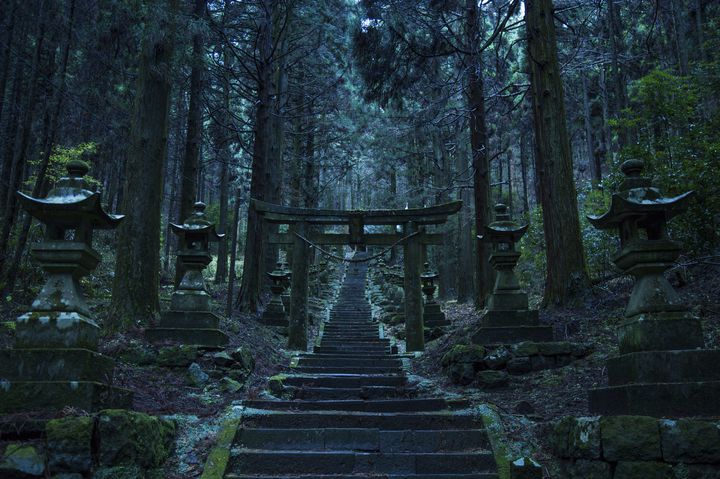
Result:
pixel 297 328
pixel 412 259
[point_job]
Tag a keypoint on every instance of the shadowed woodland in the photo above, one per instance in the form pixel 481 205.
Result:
pixel 215 211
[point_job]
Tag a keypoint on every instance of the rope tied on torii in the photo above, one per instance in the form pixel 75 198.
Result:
pixel 354 260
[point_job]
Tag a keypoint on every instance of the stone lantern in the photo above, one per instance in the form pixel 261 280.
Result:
pixel 433 315
pixel 286 286
pixel 274 314
pixel 55 362
pixel 662 369
pixel 189 319
pixel 508 319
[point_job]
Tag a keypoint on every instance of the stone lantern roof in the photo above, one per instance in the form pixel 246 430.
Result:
pixel 639 199
pixel 197 223
pixel 503 229
pixel 71 202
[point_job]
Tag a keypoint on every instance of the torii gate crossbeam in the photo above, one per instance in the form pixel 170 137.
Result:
pixel 413 238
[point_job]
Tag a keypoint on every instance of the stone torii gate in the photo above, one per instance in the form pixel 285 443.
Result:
pixel 413 238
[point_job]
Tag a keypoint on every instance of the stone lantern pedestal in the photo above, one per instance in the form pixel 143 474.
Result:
pixel 189 320
pixel 433 315
pixel 55 362
pixel 508 319
pixel 663 369
pixel 274 314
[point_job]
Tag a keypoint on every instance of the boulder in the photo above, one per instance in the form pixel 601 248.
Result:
pixel 576 437
pixel 498 359
pixel 586 469
pixel 119 472
pixel 690 441
pixel 519 365
pixel 230 385
pixel 223 359
pixel 630 438
pixel 525 348
pixel 21 461
pixel 462 362
pixel 196 375
pixel 177 356
pixel 129 437
pixel 69 444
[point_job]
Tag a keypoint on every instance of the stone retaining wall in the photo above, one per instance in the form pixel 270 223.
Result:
pixel 636 447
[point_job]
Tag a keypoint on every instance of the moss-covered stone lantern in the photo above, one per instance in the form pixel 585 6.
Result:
pixel 433 315
pixel 55 362
pixel 662 369
pixel 189 319
pixel 508 318
pixel 274 314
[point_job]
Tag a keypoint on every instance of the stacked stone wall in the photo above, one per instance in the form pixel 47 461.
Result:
pixel 636 447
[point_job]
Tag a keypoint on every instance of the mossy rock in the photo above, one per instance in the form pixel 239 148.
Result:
pixel 21 460
pixel 690 441
pixel 128 437
pixel 69 442
pixel 462 362
pixel 244 359
pixel 177 356
pixel 630 438
pixel 492 379
pixel 138 354
pixel 643 469
pixel 276 385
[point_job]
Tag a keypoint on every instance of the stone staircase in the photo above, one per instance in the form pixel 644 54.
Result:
pixel 353 413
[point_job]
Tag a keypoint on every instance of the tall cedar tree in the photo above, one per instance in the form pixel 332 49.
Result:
pixel 566 272
pixel 135 288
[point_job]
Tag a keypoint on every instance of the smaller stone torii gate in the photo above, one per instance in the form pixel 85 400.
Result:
pixel 413 238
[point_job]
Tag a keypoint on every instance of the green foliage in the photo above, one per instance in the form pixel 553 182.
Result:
pixel 59 159
pixel 677 129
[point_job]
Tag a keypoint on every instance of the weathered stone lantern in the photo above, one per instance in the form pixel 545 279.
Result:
pixel 508 319
pixel 286 286
pixel 274 314
pixel 55 362
pixel 189 319
pixel 662 369
pixel 433 315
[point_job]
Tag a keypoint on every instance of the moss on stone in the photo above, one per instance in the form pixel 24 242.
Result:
pixel 69 442
pixel 19 460
pixel 128 437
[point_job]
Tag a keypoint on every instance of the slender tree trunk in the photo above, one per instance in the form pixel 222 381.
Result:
pixel 233 253
pixel 191 160
pixel 595 172
pixel 620 85
pixel 22 143
pixel 524 172
pixel 249 295
pixel 479 151
pixel 135 296
pixel 566 273
pixel 50 128
pixel 7 52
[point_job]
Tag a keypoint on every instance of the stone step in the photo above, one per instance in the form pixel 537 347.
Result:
pixel 368 440
pixel 348 370
pixel 378 405
pixel 344 381
pixel 333 419
pixel 366 393
pixel 348 462
pixel 358 350
pixel 347 361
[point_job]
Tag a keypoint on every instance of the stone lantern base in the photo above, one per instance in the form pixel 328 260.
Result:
pixel 47 376
pixel 434 316
pixel 189 322
pixel 274 315
pixel 661 383
pixel 509 320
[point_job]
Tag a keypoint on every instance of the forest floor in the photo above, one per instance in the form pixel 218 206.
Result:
pixel 529 403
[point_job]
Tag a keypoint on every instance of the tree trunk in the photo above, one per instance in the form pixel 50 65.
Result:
pixel 595 171
pixel 566 273
pixel 7 52
pixel 524 172
pixel 50 128
pixel 22 142
pixel 478 148
pixel 249 295
pixel 135 287
pixel 233 253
